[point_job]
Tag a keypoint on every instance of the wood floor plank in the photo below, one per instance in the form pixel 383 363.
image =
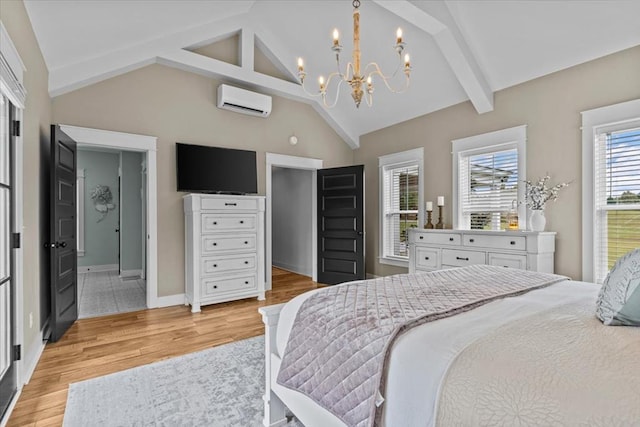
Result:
pixel 113 343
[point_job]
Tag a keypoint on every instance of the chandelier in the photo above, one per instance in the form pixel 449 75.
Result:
pixel 360 80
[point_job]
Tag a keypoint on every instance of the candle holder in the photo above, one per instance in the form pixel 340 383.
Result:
pixel 440 224
pixel 428 225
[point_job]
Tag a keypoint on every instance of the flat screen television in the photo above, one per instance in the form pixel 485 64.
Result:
pixel 203 169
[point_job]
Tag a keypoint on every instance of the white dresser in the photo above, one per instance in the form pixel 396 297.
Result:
pixel 438 249
pixel 224 248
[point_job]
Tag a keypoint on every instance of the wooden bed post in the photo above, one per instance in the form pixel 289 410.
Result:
pixel 274 410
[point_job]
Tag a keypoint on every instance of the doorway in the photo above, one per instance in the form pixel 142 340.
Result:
pixel 111 247
pixel 8 359
pixel 145 145
pixel 278 162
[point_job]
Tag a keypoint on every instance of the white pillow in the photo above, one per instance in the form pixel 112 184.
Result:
pixel 619 299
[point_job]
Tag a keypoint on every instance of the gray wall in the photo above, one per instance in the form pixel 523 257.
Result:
pixel 291 219
pixel 131 211
pixel 100 238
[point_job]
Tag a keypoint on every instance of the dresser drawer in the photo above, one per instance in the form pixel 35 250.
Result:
pixel 497 242
pixel 508 260
pixel 461 258
pixel 427 258
pixel 438 238
pixel 213 287
pixel 229 204
pixel 215 243
pixel 228 222
pixel 213 265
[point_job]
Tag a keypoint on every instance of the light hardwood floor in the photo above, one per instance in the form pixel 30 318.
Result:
pixel 103 345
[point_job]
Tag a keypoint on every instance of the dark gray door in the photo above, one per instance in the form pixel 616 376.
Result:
pixel 8 379
pixel 62 243
pixel 341 224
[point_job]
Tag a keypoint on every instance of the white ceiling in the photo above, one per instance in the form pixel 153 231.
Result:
pixel 459 50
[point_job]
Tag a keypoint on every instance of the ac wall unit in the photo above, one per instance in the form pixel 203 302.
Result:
pixel 243 101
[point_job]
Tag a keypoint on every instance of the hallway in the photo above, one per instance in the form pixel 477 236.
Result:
pixel 103 293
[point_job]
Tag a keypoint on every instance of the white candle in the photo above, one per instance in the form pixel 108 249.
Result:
pixel 440 200
pixel 429 206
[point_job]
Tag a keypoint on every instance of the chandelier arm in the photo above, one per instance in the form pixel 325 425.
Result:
pixel 385 79
pixel 335 101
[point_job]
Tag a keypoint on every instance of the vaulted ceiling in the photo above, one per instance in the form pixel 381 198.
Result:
pixel 460 50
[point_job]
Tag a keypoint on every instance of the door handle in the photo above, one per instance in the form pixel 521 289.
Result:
pixel 62 244
pixel 117 230
pixel 55 245
pixel 360 233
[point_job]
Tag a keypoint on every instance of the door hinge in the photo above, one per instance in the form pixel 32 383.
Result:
pixel 15 131
pixel 17 352
pixel 15 240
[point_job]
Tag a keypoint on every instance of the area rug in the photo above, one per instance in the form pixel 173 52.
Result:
pixel 221 387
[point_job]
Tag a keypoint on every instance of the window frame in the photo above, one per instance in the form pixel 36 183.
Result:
pixel 500 140
pixel 404 158
pixel 595 122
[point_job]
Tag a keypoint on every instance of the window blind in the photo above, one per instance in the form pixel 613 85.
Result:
pixel 488 187
pixel 617 196
pixel 401 199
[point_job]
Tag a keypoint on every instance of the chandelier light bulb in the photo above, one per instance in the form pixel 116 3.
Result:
pixel 399 36
pixel 336 37
pixel 300 64
pixel 407 62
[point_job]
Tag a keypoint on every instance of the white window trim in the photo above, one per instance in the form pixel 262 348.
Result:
pixel 593 121
pixel 11 70
pixel 510 138
pixel 410 156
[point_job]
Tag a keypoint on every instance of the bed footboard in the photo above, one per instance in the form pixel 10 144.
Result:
pixel 274 409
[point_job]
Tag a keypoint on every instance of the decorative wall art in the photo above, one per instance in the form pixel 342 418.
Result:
pixel 102 200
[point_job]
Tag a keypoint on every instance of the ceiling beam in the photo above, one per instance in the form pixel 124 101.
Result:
pixel 171 50
pixel 437 21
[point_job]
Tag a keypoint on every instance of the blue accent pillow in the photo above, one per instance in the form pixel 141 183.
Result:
pixel 619 299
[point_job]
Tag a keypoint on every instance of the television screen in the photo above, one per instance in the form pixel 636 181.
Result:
pixel 203 169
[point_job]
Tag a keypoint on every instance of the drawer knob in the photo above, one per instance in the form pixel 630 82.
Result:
pixel 426 257
pixel 451 239
pixel 241 222
pixel 246 262
pixel 215 244
pixel 246 282
pixel 421 237
pixel 246 243
pixel 215 286
pixel 231 204
pixel 215 223
pixel 462 259
pixel 215 265
pixel 471 240
pixel 513 242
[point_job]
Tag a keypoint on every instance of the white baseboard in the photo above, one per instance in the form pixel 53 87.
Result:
pixel 98 268
pixel 292 268
pixel 131 273
pixel 170 300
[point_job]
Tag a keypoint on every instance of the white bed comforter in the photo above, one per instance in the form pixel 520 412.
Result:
pixel 421 356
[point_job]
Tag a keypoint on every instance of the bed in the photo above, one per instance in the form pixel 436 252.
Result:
pixel 532 357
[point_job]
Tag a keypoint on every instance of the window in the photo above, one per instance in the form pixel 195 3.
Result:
pixel 487 172
pixel 611 189
pixel 400 201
